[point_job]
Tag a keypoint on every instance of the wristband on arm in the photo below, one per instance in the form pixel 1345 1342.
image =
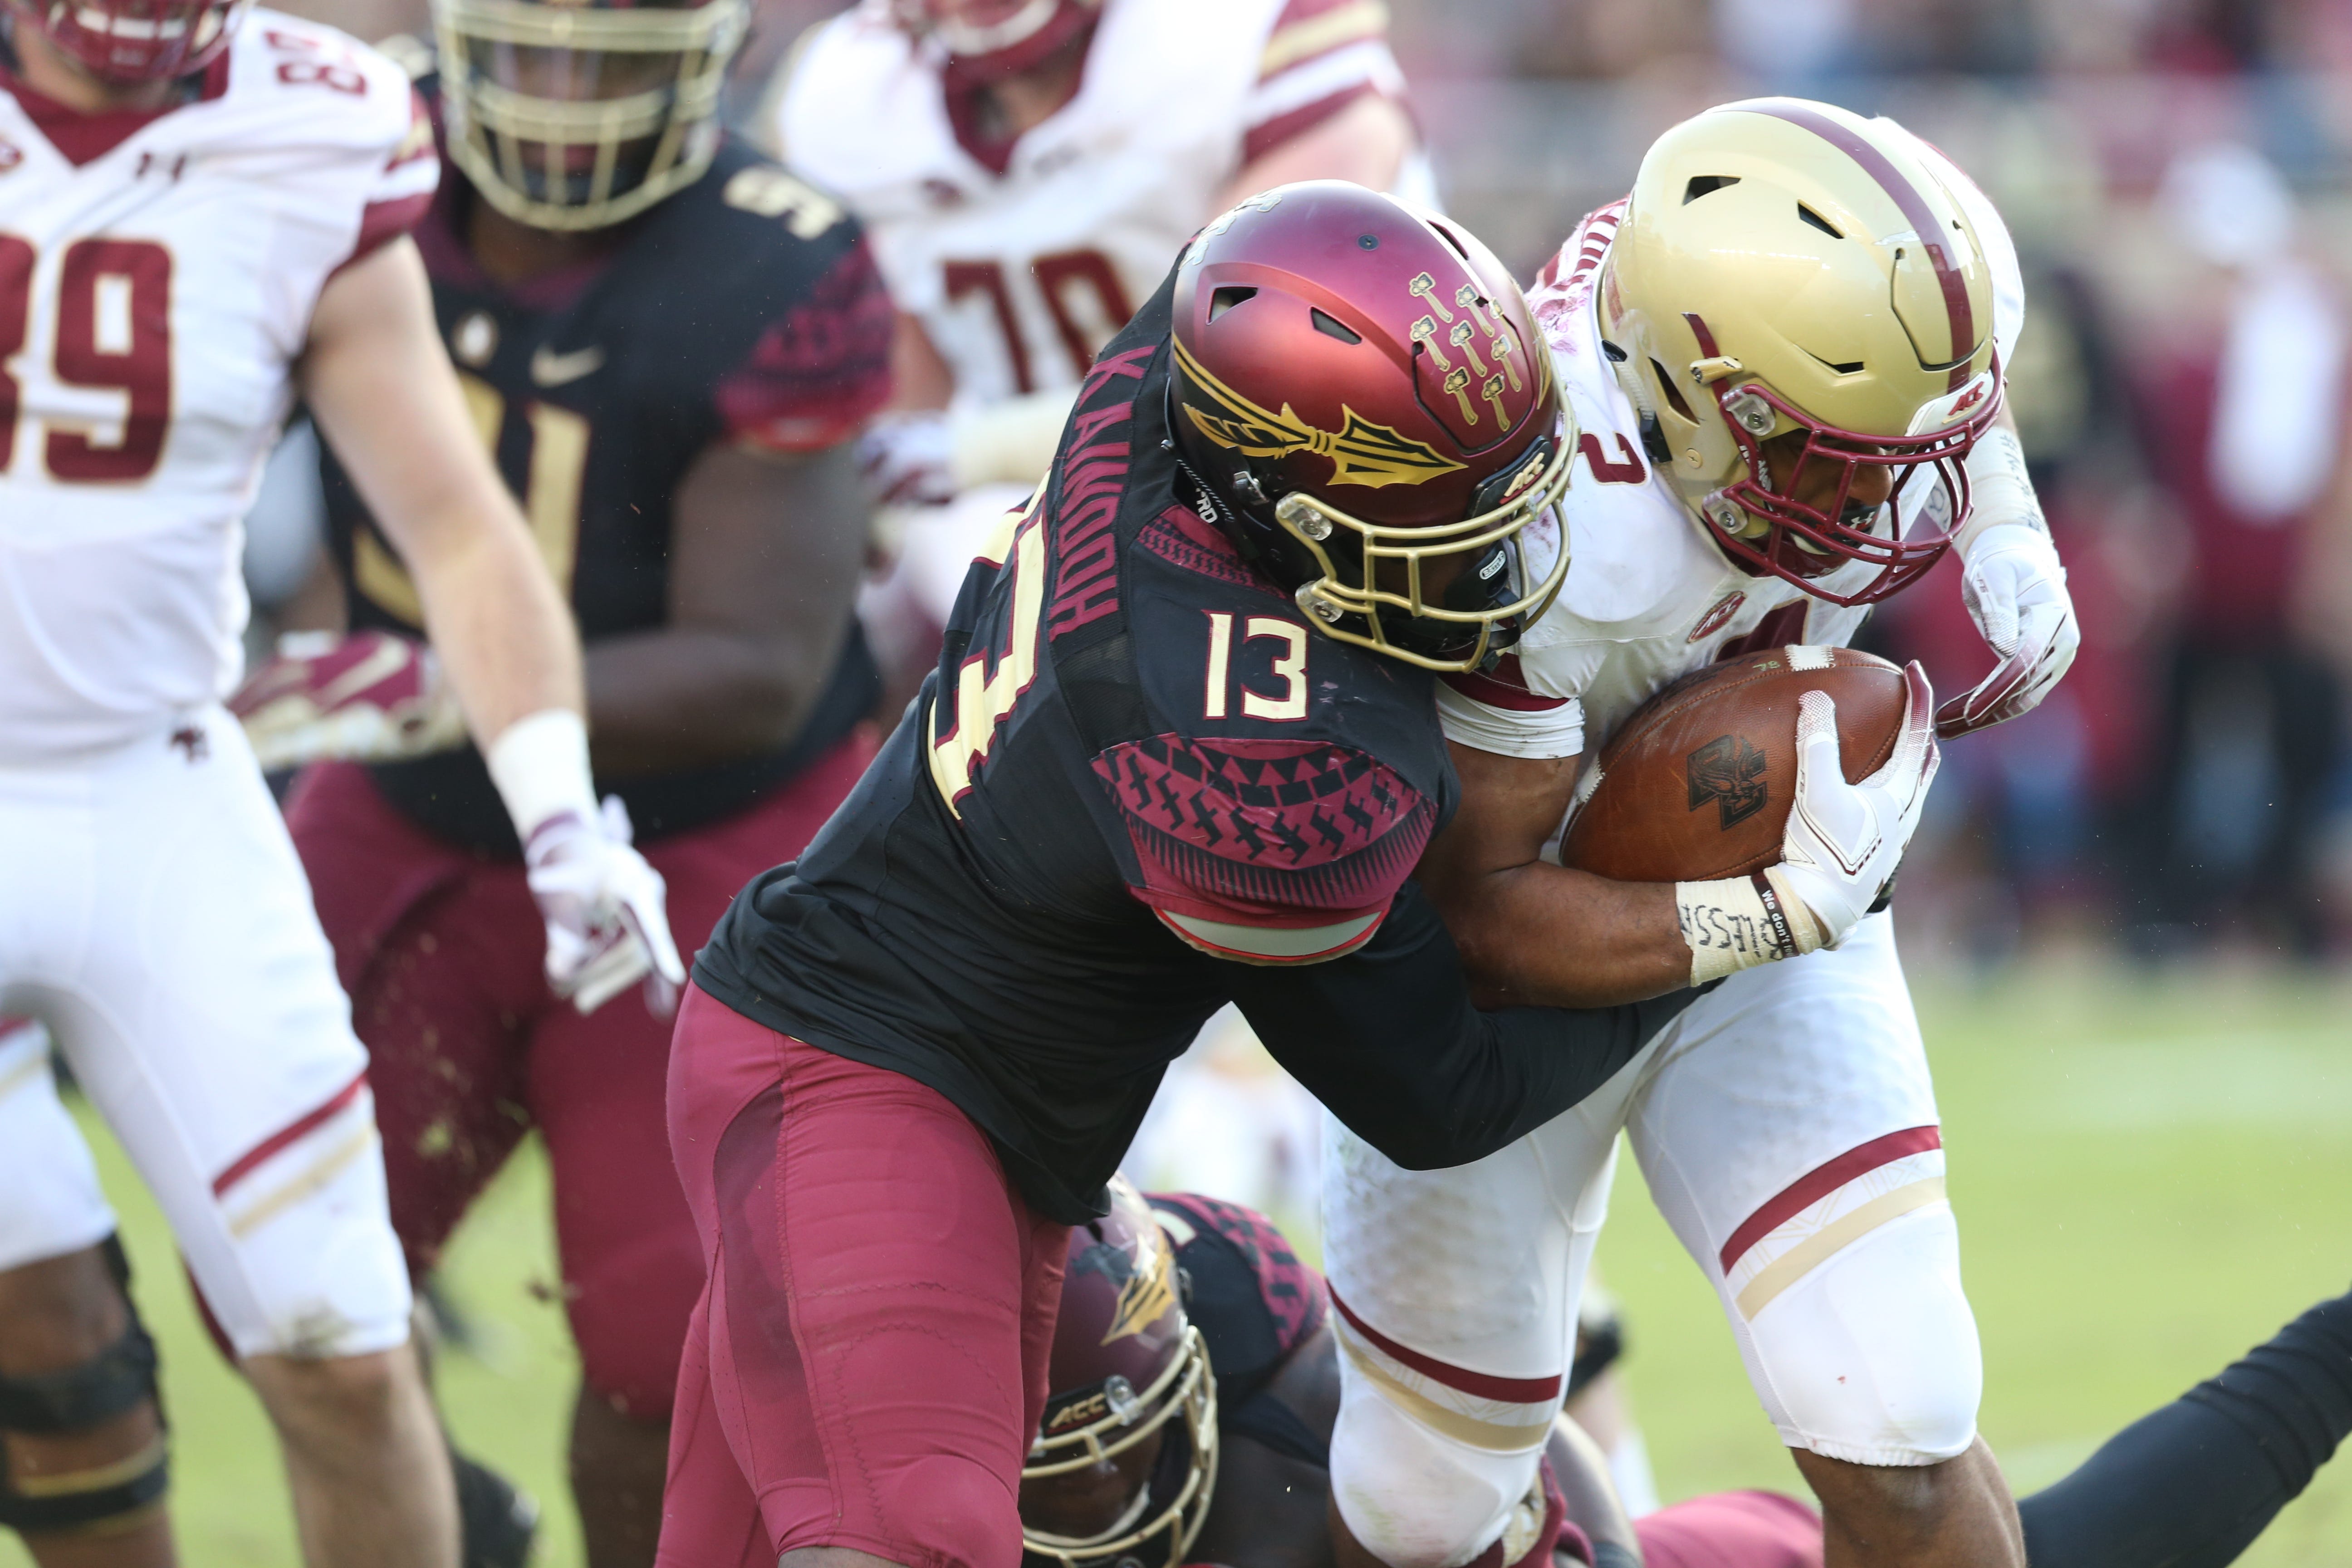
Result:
pixel 540 763
pixel 2000 490
pixel 1738 923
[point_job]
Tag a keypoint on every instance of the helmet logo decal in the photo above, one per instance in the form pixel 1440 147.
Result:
pixel 1362 452
pixel 1423 288
pixel 1146 1289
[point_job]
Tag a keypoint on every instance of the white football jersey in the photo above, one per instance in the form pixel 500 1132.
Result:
pixel 1019 274
pixel 154 297
pixel 1649 598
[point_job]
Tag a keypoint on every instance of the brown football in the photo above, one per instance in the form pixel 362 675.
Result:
pixel 1697 784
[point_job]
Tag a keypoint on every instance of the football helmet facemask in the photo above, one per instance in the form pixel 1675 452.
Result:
pixel 1126 1364
pixel 1794 298
pixel 581 116
pixel 1363 397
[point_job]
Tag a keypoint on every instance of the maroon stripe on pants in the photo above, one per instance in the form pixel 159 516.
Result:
pixel 1821 1181
pixel 308 1121
pixel 1477 1385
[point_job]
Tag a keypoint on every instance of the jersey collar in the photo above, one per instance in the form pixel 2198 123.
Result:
pixel 81 137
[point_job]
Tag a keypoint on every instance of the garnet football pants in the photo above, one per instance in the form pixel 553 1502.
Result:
pixel 1787 1127
pixel 867 1362
pixel 153 915
pixel 443 953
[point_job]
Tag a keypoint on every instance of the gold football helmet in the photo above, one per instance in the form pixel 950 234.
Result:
pixel 579 116
pixel 1794 287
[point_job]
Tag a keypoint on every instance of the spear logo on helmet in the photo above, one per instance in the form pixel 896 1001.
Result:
pixel 1362 452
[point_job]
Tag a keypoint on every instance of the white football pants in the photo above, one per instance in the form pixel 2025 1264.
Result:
pixel 1788 1131
pixel 154 917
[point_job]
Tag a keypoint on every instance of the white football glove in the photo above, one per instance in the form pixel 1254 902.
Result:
pixel 607 920
pixel 907 457
pixel 2015 589
pixel 1844 842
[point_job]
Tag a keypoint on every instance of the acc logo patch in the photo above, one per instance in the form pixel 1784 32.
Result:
pixel 1362 452
pixel 1730 773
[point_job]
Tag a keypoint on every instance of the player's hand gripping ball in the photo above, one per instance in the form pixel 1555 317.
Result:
pixel 1814 759
pixel 606 911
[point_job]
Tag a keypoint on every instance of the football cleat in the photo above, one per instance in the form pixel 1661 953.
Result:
pixel 497 1520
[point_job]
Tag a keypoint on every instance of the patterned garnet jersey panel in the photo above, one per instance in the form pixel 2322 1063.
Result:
pixel 1134 759
pixel 1246 1289
pixel 745 310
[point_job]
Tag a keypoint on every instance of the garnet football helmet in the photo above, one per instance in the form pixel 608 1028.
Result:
pixel 1362 393
pixel 580 116
pixel 1125 1364
pixel 991 38
pixel 1790 274
pixel 137 40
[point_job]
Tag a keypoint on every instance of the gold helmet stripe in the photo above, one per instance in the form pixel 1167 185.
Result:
pixel 1914 210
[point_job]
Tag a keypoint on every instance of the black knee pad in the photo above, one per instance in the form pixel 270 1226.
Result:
pixel 113 1382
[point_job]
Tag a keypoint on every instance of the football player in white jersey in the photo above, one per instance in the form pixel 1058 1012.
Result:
pixel 1028 170
pixel 204 209
pixel 1784 353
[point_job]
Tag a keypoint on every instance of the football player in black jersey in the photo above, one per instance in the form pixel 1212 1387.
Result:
pixel 1181 749
pixel 666 340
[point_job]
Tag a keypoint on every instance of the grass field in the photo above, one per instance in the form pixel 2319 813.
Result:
pixel 2151 1175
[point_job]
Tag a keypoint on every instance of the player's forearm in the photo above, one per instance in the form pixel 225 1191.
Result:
pixel 1386 1038
pixel 492 615
pixel 1542 935
pixel 684 697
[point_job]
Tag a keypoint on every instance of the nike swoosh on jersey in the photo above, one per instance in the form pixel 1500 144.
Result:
pixel 549 368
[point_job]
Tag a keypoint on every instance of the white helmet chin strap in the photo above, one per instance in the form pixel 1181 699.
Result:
pixel 962 39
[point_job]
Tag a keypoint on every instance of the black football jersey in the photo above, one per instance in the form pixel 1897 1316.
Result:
pixel 747 308
pixel 1139 785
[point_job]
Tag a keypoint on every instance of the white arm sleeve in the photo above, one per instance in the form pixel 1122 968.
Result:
pixel 1555 730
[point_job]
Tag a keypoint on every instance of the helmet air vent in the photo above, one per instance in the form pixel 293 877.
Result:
pixel 1329 326
pixel 1818 221
pixel 1849 367
pixel 1706 184
pixel 1673 393
pixel 1225 299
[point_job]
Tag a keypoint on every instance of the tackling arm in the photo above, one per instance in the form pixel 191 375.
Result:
pixel 765 549
pixel 1386 1038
